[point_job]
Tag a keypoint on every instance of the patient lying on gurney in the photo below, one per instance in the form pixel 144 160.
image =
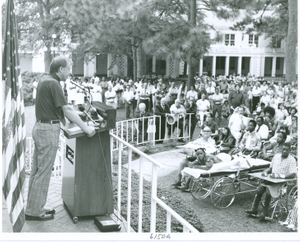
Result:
pixel 201 161
pixel 206 163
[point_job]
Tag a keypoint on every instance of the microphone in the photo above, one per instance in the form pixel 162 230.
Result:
pixel 82 109
pixel 81 87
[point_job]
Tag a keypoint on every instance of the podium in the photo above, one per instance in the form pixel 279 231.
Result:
pixel 87 180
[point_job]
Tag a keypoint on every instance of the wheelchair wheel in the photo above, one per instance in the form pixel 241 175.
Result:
pixel 201 188
pixel 292 197
pixel 280 211
pixel 223 193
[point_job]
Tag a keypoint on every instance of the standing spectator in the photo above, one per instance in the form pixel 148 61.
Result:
pixel 203 106
pixel 224 86
pixel 144 96
pixel 179 112
pixel 191 108
pixel 104 87
pixel 95 79
pixel 172 93
pixel 210 88
pixel 128 98
pixel 202 91
pixel 217 100
pixel 161 109
pixel 111 97
pixel 141 114
pixel 192 93
pixel 182 89
pixel 256 93
pixel 281 113
pixel 236 98
pixel 265 99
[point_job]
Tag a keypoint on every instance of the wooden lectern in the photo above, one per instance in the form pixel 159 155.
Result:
pixel 87 180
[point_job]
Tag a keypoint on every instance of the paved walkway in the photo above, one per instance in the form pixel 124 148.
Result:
pixel 62 222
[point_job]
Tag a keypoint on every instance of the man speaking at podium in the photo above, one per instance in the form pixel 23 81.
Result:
pixel 51 110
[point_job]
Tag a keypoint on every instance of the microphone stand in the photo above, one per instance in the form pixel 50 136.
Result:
pixel 86 91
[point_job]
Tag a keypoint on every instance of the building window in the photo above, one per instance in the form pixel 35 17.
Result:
pixel 276 42
pixel 253 39
pixel 229 39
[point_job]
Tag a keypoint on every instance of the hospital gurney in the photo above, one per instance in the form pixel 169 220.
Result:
pixel 224 180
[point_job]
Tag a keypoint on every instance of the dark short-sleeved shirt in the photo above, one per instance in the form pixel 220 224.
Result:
pixel 50 99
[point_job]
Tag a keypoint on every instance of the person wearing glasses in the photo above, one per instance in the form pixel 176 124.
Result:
pixel 51 109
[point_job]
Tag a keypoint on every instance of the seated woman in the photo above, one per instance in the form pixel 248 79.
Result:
pixel 281 113
pixel 275 147
pixel 200 161
pixel 226 141
pixel 288 120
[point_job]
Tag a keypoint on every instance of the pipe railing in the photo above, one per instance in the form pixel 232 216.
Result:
pixel 154 199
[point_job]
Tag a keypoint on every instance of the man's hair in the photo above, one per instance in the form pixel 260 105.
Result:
pixel 253 121
pixel 269 110
pixel 57 62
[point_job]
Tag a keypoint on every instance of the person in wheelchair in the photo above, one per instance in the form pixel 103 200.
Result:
pixel 200 161
pixel 226 141
pixel 283 166
pixel 250 142
pixel 275 147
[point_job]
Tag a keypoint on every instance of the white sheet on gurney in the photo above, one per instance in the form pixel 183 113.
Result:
pixel 230 166
pixel 193 147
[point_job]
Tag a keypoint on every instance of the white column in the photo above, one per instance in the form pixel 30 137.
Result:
pixel 227 66
pixel 213 71
pixel 284 70
pixel 239 71
pixel 274 66
pixel 201 67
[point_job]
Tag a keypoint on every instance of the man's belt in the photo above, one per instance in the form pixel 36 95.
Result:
pixel 48 121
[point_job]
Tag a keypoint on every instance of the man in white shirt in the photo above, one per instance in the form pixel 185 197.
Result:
pixel 261 128
pixel 203 106
pixel 179 113
pixel 128 97
pixel 265 99
pixel 237 123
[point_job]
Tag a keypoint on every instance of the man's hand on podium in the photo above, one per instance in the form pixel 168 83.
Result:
pixel 90 131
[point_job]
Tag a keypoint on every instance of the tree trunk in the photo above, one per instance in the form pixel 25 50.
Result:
pixel 134 59
pixel 291 42
pixel 191 63
pixel 141 62
pixel 47 56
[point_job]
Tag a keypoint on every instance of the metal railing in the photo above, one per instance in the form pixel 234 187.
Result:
pixel 149 129
pixel 187 227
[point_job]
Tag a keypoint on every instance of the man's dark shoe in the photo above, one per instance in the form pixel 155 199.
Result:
pixel 43 217
pixel 183 188
pixel 177 184
pixel 50 211
pixel 251 212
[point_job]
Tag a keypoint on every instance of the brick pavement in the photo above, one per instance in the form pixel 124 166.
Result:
pixel 62 222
